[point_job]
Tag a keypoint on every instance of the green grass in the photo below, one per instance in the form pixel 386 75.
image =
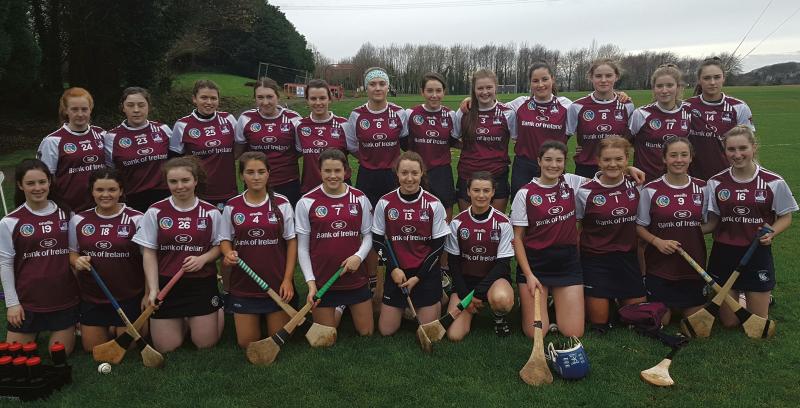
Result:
pixel 728 369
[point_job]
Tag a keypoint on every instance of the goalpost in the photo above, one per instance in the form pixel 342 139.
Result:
pixel 282 74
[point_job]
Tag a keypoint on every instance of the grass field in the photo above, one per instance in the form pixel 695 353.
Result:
pixel 726 370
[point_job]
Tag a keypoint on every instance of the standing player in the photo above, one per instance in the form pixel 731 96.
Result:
pixel 481 252
pixel 41 293
pixel 73 151
pixel 137 148
pixel 333 229
pixel 606 210
pixel 742 199
pixel 209 135
pixel 258 227
pixel 597 115
pixel 672 210
pixel 181 232
pixel 321 130
pixel 484 132
pixel 102 237
pixel 713 114
pixel 412 221
pixel 269 128
pixel 663 119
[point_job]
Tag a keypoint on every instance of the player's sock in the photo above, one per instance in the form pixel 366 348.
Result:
pixel 501 326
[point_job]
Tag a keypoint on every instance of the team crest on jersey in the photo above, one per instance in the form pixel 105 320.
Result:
pixel 321 211
pixel 494 235
pixel 726 117
pixel 599 200
pixel 655 124
pixel 26 230
pixel 724 194
pixel 497 121
pixel 564 193
pixel 763 276
pixel 88 230
pixel 202 224
pixel 684 125
pixel 423 215
pixel 662 201
pixel 463 233
pixel 305 131
pixel 761 196
pixel 696 113
pixel 285 128
pixel 272 218
pixel 392 124
pixel 64 225
pixel 335 133
pixel 364 124
pixel 70 148
pixel 631 194
pixel 536 200
pixel 697 199
pixel 531 105
pixel 255 127
pixel 588 115
pixel 444 123
pixel 125 142
pixel 353 209
pixel 393 214
pixel 418 119
pixel 238 218
pixel 225 129
pixel 165 223
pixel 123 231
pixel 618 115
pixel 194 133
pixel 156 137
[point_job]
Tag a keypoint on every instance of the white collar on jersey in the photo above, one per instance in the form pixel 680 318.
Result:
pixel 491 213
pixel 721 101
pixel 664 178
pixel 129 127
pixel 597 179
pixel 108 217
pixel 88 129
pixel 612 100
pixel 678 107
pixel 741 181
pixel 51 208
pixel 539 183
pixel 419 195
pixel 277 115
pixel 330 116
pixel 253 205
pixel 549 100
pixel 172 203
pixel 385 108
pixel 431 111
pixel 494 106
pixel 346 190
pixel 213 117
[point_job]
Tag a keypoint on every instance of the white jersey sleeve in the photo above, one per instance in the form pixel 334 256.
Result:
pixel 108 148
pixel 505 249
pixel 572 118
pixel 783 201
pixel 288 220
pixel 225 232
pixel 638 119
pixel 350 132
pixel 458 115
pixel 404 115
pixel 7 253
pixel 744 116
pixel 440 228
pixel 643 212
pixel 7 225
pixel 366 228
pixel 238 132
pixel 48 152
pixel 378 219
pixel 72 233
pixel 511 119
pixel 147 235
pixel 216 220
pixel 519 211
pixel 451 243
pixel 581 195
pixel 713 206
pixel 517 102
pixel 176 141
pixel 301 223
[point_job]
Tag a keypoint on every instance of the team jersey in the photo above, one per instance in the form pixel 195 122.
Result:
pixel 480 243
pixel 71 157
pixel 37 243
pixel 375 135
pixel 335 225
pixel 538 122
pixel 138 153
pixel 710 121
pixel 429 134
pixel 115 257
pixel 211 140
pixel 312 138
pixel 488 150
pixel 608 216
pixel 650 127
pixel 674 213
pixel 548 212
pixel 259 232
pixel 745 205
pixel 176 233
pixel 273 136
pixel 409 225
pixel 592 120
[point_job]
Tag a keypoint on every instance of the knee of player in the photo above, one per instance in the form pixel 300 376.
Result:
pixel 502 302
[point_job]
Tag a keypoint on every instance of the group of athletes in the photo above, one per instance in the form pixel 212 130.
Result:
pixel 142 201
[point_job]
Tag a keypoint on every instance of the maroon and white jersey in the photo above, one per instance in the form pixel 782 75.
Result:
pixel 211 140
pixel 429 134
pixel 71 158
pixel 650 127
pixel 745 205
pixel 312 138
pixel 548 212
pixel 259 232
pixel 177 233
pixel 538 122
pixel 273 136
pixel 592 120
pixel 375 135
pixel 409 225
pixel 37 244
pixel 488 150
pixel 710 121
pixel 674 213
pixel 608 216
pixel 480 243
pixel 115 257
pixel 335 226
pixel 138 153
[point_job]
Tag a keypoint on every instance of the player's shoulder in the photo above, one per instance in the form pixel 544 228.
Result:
pixel 563 101
pixel 356 192
pixel 499 216
pixel 656 184
pixel 290 114
pixel 693 100
pixel 733 101
pixel 462 216
pixel 280 199
pixel 186 119
pixel 249 114
pixel 235 201
pixel 698 182
pixel 390 196
pixel 161 204
pixel 336 118
pixel 131 212
pixel 430 198
pixel 649 108
pixel 768 175
pixel 503 107
pixel 361 109
pixel 207 207
pixel 96 129
pixel 394 107
pixel 584 100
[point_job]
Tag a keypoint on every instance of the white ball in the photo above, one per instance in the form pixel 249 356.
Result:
pixel 104 368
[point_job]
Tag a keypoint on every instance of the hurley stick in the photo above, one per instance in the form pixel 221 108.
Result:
pixel 658 375
pixel 437 329
pixel 536 371
pixel 424 340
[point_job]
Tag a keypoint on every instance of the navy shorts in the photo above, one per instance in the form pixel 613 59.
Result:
pixel 254 305
pixel 757 276
pixel 471 281
pixel 555 266
pixel 290 189
pixel 189 297
pixel 375 183
pixel 502 191
pixel 427 292
pixel 440 184
pixel 345 297
pixel 36 322
pixel 586 170
pixel 104 315
pixel 677 294
pixel 523 170
pixel 614 275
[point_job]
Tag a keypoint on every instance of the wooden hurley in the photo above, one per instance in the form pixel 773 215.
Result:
pixel 437 329
pixel 536 372
pixel 658 375
pixel 422 337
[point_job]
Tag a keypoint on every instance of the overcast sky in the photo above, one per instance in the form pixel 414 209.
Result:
pixel 687 27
